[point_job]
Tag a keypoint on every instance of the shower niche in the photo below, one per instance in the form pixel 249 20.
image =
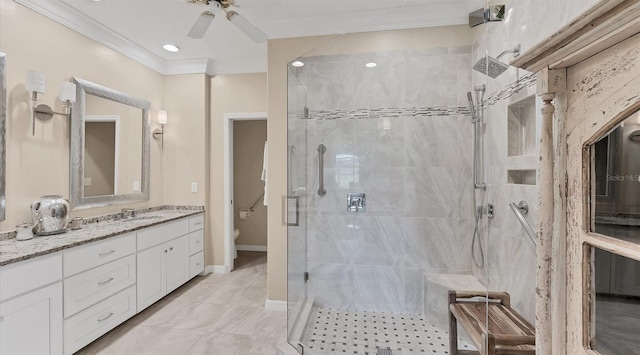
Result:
pixel 522 128
pixel 521 142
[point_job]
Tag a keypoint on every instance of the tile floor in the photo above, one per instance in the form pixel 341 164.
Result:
pixel 355 332
pixel 216 314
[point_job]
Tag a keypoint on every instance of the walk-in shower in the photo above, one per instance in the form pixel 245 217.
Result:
pixel 363 280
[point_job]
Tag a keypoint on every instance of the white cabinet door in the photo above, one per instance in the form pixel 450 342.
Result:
pixel 32 323
pixel 177 262
pixel 151 276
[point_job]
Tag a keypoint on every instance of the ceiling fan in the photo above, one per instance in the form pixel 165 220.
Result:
pixel 203 22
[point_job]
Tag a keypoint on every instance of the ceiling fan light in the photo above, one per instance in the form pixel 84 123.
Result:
pixel 247 27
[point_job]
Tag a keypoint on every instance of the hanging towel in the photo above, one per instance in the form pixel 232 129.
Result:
pixel 264 171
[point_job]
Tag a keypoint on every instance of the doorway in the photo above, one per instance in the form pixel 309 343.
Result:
pixel 245 137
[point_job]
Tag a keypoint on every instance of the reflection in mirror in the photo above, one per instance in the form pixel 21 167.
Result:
pixel 3 129
pixel 617 304
pixel 109 147
pixel 113 147
pixel 616 185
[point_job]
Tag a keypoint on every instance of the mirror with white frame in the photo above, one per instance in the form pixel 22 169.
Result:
pixel 109 147
pixel 3 129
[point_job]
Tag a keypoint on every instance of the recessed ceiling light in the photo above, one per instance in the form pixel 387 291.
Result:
pixel 171 48
pixel 371 65
pixel 298 64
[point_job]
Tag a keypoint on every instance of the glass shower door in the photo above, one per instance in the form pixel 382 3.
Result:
pixel 296 217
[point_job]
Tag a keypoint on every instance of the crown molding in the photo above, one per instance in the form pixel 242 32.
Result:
pixel 81 23
pixel 190 66
pixel 254 65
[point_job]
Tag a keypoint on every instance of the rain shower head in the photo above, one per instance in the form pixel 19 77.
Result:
pixel 492 67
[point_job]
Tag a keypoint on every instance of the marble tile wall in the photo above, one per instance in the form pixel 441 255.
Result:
pixel 400 133
pixel 510 255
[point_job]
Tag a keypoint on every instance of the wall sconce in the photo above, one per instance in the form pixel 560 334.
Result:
pixel 162 120
pixel 36 84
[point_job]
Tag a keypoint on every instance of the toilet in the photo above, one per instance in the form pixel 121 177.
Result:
pixel 236 233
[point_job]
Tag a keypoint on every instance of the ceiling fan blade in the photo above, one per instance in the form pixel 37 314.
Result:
pixel 247 27
pixel 201 25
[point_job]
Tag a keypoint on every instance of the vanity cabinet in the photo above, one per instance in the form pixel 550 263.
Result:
pixel 164 260
pixel 196 246
pixel 99 289
pixel 58 304
pixel 31 307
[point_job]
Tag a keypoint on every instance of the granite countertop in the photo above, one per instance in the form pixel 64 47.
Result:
pixel 93 229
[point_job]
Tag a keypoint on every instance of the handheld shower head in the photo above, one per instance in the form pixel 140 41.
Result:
pixel 490 66
pixel 471 107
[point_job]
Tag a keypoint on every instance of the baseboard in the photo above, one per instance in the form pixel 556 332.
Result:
pixel 216 269
pixel 251 247
pixel 280 306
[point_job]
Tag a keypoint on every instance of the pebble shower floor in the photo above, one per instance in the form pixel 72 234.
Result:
pixel 353 332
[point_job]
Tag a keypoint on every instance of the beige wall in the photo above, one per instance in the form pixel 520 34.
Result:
pixel 99 158
pixel 248 148
pixel 238 93
pixel 184 139
pixel 281 52
pixel 39 165
pixel 186 144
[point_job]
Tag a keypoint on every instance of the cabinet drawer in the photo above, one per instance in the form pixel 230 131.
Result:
pixel 90 287
pixel 196 242
pixel 29 275
pixel 151 237
pixel 196 263
pixel 177 229
pixel 95 321
pixel 196 223
pixel 84 258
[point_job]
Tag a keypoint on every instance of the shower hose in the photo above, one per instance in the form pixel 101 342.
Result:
pixel 480 264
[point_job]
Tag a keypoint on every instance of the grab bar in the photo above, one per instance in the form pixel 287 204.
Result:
pixel 257 202
pixel 321 149
pixel 520 210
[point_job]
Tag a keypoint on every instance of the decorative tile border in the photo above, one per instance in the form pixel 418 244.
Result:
pixel 428 111
pixel 388 112
pixel 512 89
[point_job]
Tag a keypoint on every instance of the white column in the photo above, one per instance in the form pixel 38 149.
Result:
pixel 549 82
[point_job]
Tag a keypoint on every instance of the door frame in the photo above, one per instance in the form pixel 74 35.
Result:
pixel 116 162
pixel 228 180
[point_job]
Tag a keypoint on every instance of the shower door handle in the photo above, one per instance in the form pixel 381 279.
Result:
pixel 289 214
pixel 321 190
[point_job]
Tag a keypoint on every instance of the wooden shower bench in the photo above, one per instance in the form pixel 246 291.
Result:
pixel 507 331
